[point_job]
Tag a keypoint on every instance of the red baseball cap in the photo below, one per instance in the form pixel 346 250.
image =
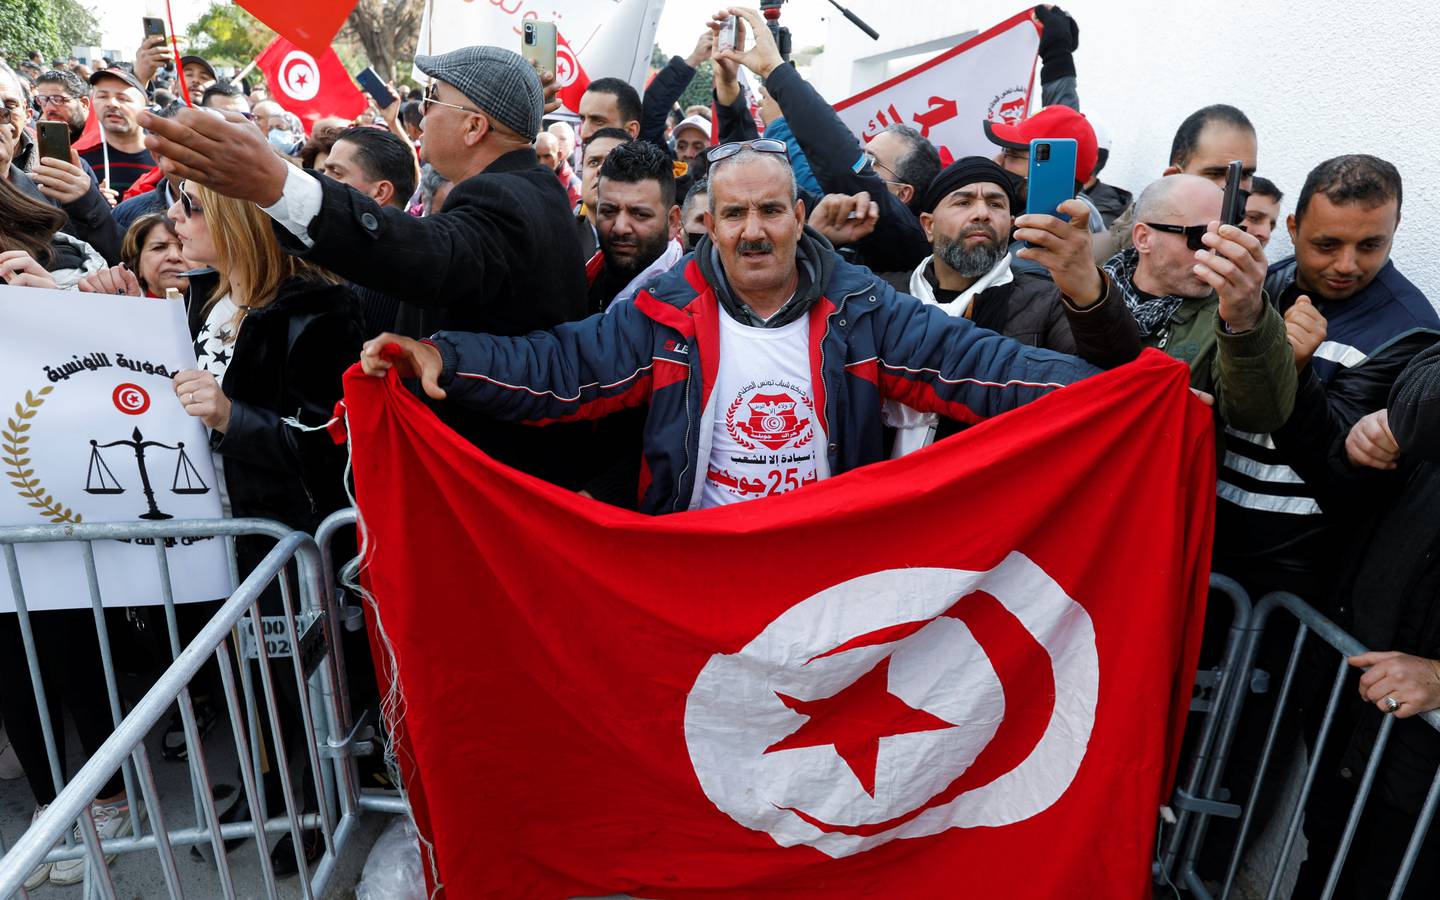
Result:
pixel 1050 122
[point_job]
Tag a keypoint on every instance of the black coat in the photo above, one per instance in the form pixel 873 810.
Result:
pixel 502 257
pixel 1389 592
pixel 898 242
pixel 287 363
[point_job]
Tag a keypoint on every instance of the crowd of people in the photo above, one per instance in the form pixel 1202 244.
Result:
pixel 630 277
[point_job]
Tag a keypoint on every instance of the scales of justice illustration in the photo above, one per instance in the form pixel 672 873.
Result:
pixel 100 479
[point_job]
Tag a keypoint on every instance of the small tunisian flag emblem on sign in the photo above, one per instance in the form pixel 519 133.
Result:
pixel 960 673
pixel 311 88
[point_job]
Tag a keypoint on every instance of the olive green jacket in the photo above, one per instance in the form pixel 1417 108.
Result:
pixel 1251 375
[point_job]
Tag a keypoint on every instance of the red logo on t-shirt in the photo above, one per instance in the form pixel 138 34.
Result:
pixel 769 419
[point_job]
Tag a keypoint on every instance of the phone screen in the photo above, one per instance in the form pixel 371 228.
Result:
pixel 728 32
pixel 370 80
pixel 54 140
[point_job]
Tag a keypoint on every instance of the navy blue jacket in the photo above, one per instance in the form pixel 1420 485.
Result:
pixel 868 343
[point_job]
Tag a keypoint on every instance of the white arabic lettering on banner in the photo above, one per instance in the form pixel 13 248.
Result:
pixel 947 98
pixel 91 431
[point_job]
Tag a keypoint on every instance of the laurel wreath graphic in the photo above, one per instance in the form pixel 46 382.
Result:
pixel 17 456
pixel 739 438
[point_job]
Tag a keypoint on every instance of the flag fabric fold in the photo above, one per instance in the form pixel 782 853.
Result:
pixel 310 25
pixel 969 666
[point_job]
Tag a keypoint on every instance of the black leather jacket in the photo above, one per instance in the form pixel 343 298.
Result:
pixel 286 364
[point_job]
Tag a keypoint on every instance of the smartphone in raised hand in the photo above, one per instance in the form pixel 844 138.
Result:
pixel 729 34
pixel 1051 180
pixel 1232 205
pixel 154 27
pixel 371 82
pixel 54 140
pixel 537 44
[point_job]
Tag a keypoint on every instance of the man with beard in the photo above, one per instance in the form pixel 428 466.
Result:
pixel 967 216
pixel 596 149
pixel 62 97
pixel 638 223
pixel 121 158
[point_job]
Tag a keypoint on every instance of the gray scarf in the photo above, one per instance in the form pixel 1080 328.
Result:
pixel 815 258
pixel 1151 313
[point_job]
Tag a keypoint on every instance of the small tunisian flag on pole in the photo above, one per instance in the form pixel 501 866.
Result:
pixel 309 24
pixel 308 86
pixel 963 672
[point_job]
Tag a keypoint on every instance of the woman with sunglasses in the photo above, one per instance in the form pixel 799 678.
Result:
pixel 278 334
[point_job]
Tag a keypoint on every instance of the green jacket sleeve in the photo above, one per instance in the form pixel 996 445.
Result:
pixel 1254 374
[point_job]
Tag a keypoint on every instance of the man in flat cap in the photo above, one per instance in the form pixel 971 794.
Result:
pixel 501 257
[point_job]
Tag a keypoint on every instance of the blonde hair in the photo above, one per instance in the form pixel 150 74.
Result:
pixel 247 253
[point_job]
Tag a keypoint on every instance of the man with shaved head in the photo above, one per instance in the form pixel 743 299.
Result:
pixel 1194 287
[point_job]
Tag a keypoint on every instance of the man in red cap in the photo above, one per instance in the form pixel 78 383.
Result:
pixel 1050 123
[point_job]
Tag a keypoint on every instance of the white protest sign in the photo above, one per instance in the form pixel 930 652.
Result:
pixel 597 38
pixel 91 431
pixel 948 97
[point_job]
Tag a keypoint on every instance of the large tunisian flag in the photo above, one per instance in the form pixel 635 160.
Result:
pixel 311 87
pixel 964 671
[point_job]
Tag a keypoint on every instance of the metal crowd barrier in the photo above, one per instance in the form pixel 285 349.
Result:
pixel 236 637
pixel 1179 861
pixel 1214 689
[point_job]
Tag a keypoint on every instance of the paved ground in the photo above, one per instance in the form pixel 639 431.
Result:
pixel 138 875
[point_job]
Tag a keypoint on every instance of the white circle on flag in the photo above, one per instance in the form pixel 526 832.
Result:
pixel 567 67
pixel 736 719
pixel 299 75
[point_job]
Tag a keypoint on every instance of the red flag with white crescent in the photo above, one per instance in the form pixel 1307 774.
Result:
pixel 311 87
pixel 569 73
pixel 963 672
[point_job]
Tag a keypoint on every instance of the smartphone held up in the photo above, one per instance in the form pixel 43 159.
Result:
pixel 538 43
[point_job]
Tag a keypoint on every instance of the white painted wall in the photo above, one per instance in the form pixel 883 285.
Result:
pixel 1318 79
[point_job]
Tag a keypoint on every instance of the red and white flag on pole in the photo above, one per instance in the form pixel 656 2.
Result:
pixel 947 98
pixel 610 38
pixel 311 87
pixel 965 671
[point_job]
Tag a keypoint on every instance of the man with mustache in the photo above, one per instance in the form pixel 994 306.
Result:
pixel 763 358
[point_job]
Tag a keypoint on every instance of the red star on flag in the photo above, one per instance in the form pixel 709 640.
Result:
pixel 855 719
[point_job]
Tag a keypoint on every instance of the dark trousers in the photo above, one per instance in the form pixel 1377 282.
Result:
pixel 70 668
pixel 1383 832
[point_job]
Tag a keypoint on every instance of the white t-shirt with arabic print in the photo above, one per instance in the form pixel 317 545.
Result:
pixel 766 436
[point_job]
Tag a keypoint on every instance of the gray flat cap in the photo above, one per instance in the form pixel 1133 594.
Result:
pixel 500 82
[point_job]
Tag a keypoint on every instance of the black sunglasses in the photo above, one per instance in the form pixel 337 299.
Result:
pixel 1192 233
pixel 725 151
pixel 190 206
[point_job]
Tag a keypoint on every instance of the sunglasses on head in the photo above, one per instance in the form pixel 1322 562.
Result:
pixel 725 151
